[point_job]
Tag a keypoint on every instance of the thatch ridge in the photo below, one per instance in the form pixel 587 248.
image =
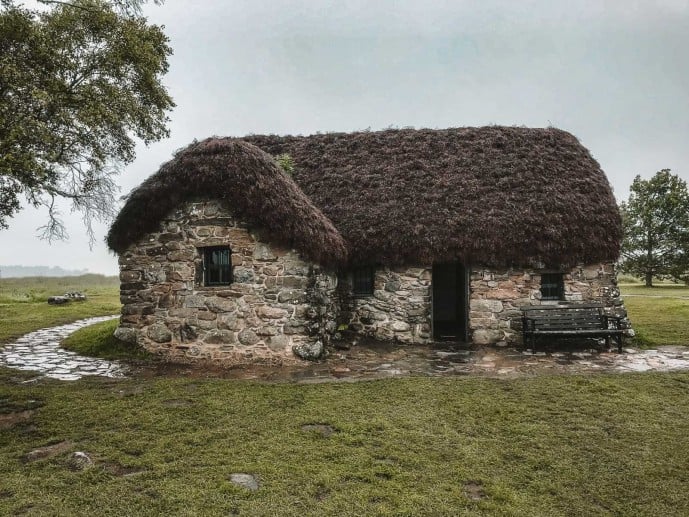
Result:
pixel 489 195
pixel 243 178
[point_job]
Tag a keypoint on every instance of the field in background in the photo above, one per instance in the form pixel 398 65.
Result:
pixel 659 315
pixel 24 302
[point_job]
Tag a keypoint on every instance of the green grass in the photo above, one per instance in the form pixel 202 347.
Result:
pixel 665 289
pixel 551 445
pixel 24 307
pixel 547 445
pixel 628 279
pixel 659 315
pixel 97 341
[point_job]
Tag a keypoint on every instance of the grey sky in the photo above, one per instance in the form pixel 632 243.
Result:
pixel 613 73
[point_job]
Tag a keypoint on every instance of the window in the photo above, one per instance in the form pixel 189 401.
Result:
pixel 362 280
pixel 217 265
pixel 552 286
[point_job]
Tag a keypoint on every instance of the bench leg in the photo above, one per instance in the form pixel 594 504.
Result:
pixel 607 343
pixel 619 343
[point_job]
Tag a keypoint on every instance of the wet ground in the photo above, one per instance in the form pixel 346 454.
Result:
pixel 366 359
pixel 373 360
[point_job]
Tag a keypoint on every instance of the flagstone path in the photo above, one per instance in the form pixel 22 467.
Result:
pixel 40 351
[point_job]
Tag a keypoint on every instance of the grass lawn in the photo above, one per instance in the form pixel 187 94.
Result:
pixel 659 315
pixel 613 444
pixel 24 307
pixel 98 341
pixel 551 445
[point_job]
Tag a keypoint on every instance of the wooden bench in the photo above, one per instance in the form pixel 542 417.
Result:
pixel 575 320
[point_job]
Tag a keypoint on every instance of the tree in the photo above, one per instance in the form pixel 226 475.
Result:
pixel 79 80
pixel 656 228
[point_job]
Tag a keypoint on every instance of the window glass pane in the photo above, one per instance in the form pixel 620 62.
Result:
pixel 217 266
pixel 552 286
pixel 362 280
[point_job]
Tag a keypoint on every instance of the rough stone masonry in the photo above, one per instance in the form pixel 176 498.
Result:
pixel 276 305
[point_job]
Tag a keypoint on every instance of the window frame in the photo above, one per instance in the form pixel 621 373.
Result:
pixel 554 287
pixel 363 281
pixel 206 255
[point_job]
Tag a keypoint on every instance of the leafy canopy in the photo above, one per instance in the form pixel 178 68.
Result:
pixel 656 228
pixel 79 81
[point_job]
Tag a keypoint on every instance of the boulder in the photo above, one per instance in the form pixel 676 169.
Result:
pixel 309 351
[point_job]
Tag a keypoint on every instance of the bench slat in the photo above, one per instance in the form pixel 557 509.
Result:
pixel 569 320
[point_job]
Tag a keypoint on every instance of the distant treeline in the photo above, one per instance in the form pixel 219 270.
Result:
pixel 24 271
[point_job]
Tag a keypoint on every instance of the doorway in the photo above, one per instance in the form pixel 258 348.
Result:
pixel 450 286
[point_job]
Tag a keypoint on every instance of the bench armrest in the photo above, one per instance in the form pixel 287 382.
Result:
pixel 528 323
pixel 615 319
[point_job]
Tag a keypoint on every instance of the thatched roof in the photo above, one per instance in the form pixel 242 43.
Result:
pixel 247 181
pixel 489 195
pixel 486 196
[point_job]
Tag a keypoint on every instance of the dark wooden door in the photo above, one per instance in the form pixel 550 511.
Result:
pixel 450 297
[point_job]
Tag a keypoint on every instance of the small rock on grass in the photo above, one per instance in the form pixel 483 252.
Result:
pixel 79 461
pixel 247 481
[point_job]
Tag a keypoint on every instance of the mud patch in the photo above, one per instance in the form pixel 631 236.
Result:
pixel 322 429
pixel 322 493
pixel 129 391
pixel 9 420
pixel 48 451
pixel 474 491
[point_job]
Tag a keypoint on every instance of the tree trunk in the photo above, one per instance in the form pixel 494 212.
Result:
pixel 649 259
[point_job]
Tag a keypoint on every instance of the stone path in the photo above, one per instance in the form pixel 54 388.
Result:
pixel 39 351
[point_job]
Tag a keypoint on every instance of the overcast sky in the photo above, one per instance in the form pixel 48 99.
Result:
pixel 613 73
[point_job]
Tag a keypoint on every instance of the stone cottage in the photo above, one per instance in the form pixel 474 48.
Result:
pixel 259 249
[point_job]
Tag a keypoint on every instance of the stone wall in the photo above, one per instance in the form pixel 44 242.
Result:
pixel 277 304
pixel 496 295
pixel 399 308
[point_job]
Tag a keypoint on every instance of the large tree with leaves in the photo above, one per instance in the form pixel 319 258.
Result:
pixel 79 81
pixel 656 228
